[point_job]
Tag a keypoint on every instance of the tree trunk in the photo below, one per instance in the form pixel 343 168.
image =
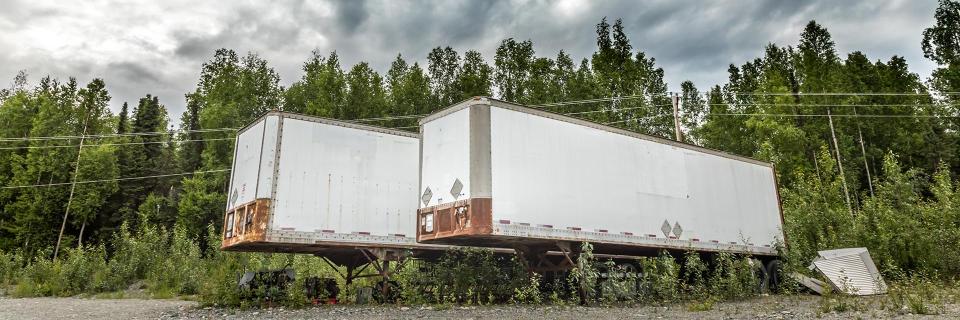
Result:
pixel 80 239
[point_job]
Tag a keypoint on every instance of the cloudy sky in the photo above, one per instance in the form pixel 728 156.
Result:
pixel 157 47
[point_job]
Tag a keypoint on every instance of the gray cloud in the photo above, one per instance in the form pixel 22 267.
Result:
pixel 351 14
pixel 159 47
pixel 134 71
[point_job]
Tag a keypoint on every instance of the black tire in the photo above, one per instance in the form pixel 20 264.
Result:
pixel 763 277
pixel 773 270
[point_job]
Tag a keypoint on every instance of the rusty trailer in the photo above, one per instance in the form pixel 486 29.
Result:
pixel 343 191
pixel 497 174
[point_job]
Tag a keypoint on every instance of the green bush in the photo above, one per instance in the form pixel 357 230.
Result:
pixel 661 278
pixel 464 276
pixel 179 272
pixel 134 255
pixel 10 266
pixel 733 277
pixel 584 276
pixel 695 276
pixel 620 284
pixel 83 270
pixel 39 278
pixel 220 274
pixel 530 293
pixel 917 294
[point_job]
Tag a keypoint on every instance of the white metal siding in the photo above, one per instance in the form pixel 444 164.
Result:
pixel 550 172
pixel 851 270
pixel 446 157
pixel 246 166
pixel 267 157
pixel 345 180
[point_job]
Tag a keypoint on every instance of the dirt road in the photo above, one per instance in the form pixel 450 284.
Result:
pixel 772 307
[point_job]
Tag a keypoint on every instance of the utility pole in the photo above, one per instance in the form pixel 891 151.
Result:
pixel 843 178
pixel 73 187
pixel 863 150
pixel 676 116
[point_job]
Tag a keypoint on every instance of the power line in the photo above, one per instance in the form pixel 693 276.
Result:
pixel 636 118
pixel 818 105
pixel 115 179
pixel 113 135
pixel 611 110
pixel 113 144
pixel 554 104
pixel 832 115
pixel 836 93
pixel 41 138
pixel 595 100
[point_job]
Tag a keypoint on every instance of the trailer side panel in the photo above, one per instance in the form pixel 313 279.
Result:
pixel 554 178
pixel 345 180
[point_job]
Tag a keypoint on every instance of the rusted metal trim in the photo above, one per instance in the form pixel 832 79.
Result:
pixel 468 217
pixel 243 232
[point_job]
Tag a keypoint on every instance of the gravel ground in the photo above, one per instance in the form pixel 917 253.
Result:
pixel 76 308
pixel 771 307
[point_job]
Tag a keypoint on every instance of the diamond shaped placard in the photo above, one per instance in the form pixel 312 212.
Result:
pixel 665 228
pixel 677 230
pixel 456 189
pixel 427 195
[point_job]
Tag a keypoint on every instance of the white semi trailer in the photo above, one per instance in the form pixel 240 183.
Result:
pixel 497 174
pixel 343 191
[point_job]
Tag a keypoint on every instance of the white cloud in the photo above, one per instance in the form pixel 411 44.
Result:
pixel 158 47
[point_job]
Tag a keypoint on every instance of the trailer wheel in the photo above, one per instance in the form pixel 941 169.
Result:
pixel 763 277
pixel 630 271
pixel 773 270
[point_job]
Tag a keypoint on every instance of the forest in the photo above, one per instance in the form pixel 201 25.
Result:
pixel 867 153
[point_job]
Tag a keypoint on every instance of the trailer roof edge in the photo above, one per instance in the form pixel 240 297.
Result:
pixel 329 121
pixel 456 107
pixel 561 117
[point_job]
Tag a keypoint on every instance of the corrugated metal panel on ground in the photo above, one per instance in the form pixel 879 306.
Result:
pixel 851 271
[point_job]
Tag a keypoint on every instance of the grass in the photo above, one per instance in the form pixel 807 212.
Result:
pixel 921 296
pixel 700 306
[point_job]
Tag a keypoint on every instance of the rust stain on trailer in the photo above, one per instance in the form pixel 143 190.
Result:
pixel 247 223
pixel 467 217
